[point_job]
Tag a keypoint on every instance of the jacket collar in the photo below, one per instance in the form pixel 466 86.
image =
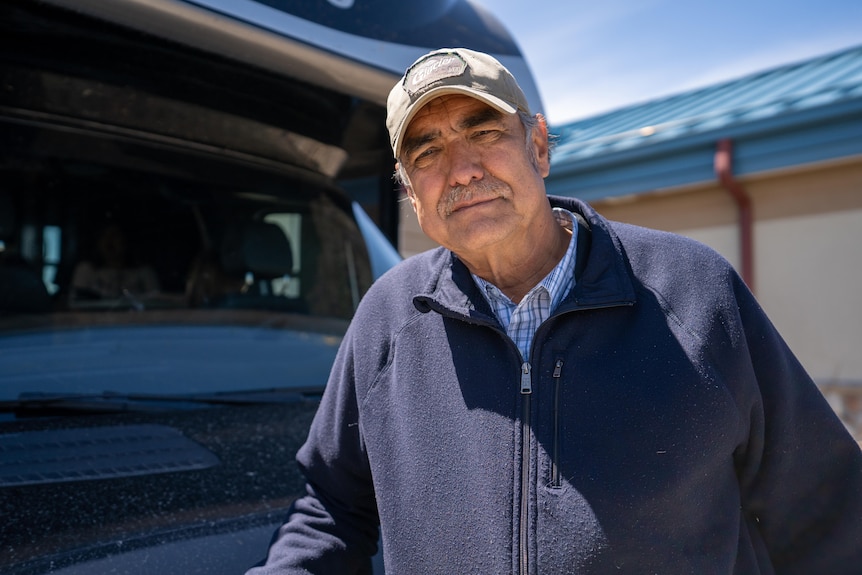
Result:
pixel 602 278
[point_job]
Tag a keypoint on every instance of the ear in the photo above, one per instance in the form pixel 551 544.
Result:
pixel 411 196
pixel 408 189
pixel 541 146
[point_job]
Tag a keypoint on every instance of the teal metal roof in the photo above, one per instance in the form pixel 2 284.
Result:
pixel 800 113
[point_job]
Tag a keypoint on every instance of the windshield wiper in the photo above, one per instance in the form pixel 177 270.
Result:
pixel 37 403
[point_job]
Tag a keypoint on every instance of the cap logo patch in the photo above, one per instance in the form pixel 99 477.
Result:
pixel 432 69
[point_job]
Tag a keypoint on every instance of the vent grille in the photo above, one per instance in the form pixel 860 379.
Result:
pixel 62 455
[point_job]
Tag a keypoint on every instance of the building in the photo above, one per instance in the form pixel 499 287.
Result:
pixel 767 169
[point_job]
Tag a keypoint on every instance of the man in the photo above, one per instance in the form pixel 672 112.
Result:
pixel 551 392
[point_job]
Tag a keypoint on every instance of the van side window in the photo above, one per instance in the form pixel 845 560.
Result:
pixel 291 225
pixel 52 237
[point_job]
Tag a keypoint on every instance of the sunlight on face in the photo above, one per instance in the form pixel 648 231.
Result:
pixel 474 184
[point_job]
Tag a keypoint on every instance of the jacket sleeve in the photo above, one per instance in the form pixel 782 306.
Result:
pixel 333 528
pixel 801 471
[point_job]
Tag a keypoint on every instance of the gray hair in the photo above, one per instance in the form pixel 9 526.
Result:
pixel 529 122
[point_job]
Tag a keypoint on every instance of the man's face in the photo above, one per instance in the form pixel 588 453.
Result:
pixel 476 182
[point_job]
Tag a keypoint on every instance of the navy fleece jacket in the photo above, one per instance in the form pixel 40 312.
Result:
pixel 664 427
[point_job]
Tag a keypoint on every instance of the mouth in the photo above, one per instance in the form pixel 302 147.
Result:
pixel 472 202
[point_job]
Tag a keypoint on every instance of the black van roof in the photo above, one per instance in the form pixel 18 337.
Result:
pixel 357 47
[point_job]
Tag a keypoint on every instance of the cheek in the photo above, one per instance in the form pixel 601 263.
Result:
pixel 423 208
pixel 427 216
pixel 423 194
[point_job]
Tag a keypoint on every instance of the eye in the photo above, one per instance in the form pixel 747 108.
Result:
pixel 487 135
pixel 424 156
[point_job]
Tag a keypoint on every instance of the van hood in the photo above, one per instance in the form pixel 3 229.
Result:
pixel 161 359
pixel 222 477
pixel 155 484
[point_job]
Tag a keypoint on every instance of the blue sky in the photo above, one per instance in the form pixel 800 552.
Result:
pixel 593 56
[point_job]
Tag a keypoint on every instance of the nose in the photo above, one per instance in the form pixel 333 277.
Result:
pixel 465 165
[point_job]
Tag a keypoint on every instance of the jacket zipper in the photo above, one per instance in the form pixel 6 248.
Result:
pixel 526 385
pixel 526 424
pixel 526 391
pixel 555 470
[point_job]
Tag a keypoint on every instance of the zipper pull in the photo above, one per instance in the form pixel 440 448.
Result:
pixel 526 379
pixel 558 368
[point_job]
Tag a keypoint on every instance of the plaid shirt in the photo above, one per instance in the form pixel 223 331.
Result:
pixel 523 319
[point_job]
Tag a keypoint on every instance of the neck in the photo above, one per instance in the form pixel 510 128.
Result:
pixel 516 271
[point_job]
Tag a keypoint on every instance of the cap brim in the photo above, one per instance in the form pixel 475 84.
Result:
pixel 416 106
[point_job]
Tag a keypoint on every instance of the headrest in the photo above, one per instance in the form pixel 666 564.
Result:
pixel 261 248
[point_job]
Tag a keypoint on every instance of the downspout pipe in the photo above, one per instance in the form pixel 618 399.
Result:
pixel 723 165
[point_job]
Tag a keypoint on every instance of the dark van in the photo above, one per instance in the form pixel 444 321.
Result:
pixel 185 190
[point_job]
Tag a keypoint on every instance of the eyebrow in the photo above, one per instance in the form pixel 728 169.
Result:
pixel 482 116
pixel 415 142
pixel 478 118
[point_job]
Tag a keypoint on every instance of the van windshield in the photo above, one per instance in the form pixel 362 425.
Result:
pixel 166 273
pixel 98 243
pixel 169 218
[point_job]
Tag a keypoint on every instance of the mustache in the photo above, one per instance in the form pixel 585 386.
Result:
pixel 487 187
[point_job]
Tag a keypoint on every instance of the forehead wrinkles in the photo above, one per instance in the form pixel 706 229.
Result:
pixel 428 124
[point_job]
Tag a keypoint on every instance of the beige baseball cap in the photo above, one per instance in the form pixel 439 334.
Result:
pixel 450 71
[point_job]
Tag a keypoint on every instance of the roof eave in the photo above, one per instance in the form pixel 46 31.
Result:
pixel 792 138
